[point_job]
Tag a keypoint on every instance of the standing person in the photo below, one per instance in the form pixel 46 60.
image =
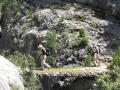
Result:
pixel 43 58
pixel 95 54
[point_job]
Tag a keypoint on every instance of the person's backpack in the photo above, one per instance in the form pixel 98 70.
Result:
pixel 100 48
pixel 48 51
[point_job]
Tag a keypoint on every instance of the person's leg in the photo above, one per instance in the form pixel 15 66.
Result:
pixel 45 64
pixel 97 60
pixel 42 63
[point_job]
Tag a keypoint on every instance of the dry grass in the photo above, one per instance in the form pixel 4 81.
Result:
pixel 67 70
pixel 78 71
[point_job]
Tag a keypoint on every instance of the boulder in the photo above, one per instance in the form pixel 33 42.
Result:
pixel 9 75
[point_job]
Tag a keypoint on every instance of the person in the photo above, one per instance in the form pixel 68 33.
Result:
pixel 43 57
pixel 95 54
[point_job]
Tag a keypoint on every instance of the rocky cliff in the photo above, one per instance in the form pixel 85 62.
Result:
pixel 27 28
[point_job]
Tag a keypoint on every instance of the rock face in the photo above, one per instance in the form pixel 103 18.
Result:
pixel 109 7
pixel 9 75
pixel 25 34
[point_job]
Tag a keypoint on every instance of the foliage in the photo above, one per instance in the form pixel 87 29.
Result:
pixel 50 60
pixel 116 58
pixel 61 19
pixel 12 5
pixel 22 60
pixel 82 33
pixel 51 41
pixel 10 8
pixel 29 14
pixel 52 44
pixel 76 42
pixel 31 82
pixel 25 61
pixel 84 41
pixel 88 60
pixel 2 53
pixel 66 7
pixel 110 81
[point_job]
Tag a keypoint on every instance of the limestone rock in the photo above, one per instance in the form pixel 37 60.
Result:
pixel 9 75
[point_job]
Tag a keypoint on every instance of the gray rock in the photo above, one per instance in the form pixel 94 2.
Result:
pixel 9 75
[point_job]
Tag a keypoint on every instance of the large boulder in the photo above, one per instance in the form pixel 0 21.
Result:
pixel 9 75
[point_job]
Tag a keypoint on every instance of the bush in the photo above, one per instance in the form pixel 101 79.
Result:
pixel 50 60
pixel 61 19
pixel 31 82
pixel 81 33
pixel 116 58
pixel 66 7
pixel 22 60
pixel 29 14
pixel 84 41
pixel 51 41
pixel 76 42
pixel 88 60
pixel 111 80
pixel 52 44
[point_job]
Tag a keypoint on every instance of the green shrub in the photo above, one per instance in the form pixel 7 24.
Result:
pixel 88 60
pixel 9 8
pixel 22 60
pixel 52 44
pixel 111 80
pixel 50 60
pixel 84 41
pixel 76 42
pixel 66 7
pixel 29 14
pixel 51 41
pixel 61 19
pixel 82 33
pixel 116 58
pixel 31 82
pixel 12 6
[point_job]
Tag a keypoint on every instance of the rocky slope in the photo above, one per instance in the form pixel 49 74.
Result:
pixel 26 31
pixel 27 28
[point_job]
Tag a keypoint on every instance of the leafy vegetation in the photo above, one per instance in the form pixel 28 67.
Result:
pixel 110 81
pixel 84 41
pixel 22 60
pixel 9 8
pixel 82 33
pixel 66 7
pixel 61 19
pixel 11 5
pixel 52 44
pixel 29 14
pixel 31 82
pixel 116 58
pixel 76 42
pixel 51 41
pixel 26 61
pixel 88 60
